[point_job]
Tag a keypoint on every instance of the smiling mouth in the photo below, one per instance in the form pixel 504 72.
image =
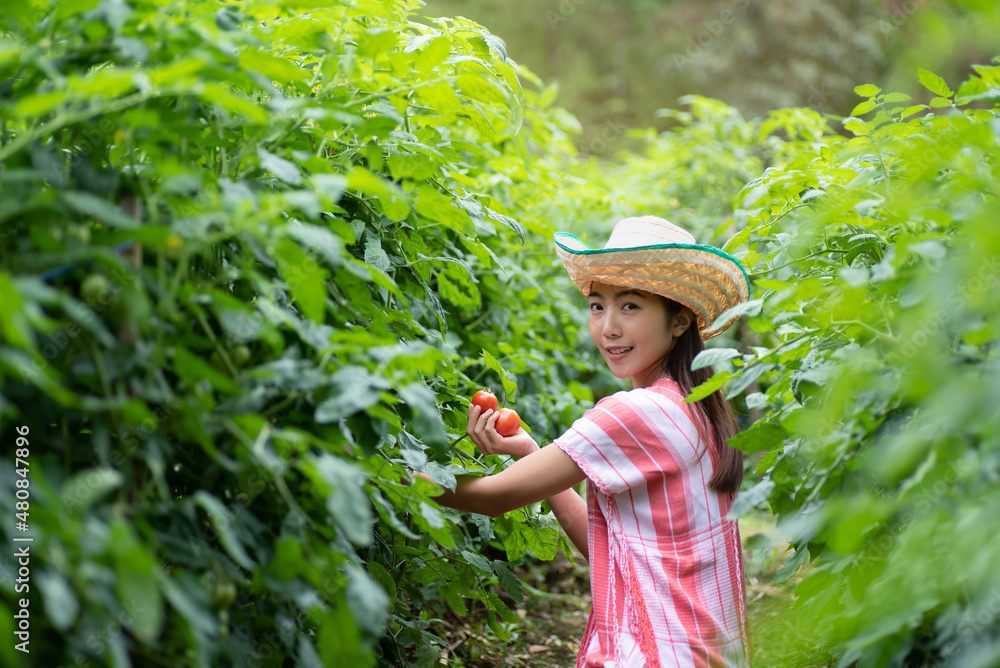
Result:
pixel 618 352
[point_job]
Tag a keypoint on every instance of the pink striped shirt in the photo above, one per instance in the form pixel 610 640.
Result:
pixel 666 566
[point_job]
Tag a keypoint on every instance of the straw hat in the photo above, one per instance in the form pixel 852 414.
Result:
pixel 653 254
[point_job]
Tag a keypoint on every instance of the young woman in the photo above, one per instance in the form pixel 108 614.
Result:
pixel 666 563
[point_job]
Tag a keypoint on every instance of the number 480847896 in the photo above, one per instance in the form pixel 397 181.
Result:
pixel 21 469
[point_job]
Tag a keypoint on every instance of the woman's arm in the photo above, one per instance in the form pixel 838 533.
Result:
pixel 568 507
pixel 543 474
pixel 571 511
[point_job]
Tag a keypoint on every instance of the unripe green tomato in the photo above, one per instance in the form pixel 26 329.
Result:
pixel 79 234
pixel 94 288
pixel 241 355
pixel 224 594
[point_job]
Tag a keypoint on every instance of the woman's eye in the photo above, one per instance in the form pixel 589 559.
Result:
pixel 595 307
pixel 626 304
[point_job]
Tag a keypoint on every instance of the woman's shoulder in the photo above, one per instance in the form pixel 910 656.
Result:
pixel 665 389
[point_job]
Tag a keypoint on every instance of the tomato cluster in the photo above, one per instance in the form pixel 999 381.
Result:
pixel 509 421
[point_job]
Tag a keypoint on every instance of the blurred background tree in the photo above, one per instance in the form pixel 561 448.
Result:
pixel 618 61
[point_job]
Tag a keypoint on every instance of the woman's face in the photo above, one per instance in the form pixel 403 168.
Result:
pixel 633 331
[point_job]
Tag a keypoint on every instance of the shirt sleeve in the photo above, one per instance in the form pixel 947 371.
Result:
pixel 624 441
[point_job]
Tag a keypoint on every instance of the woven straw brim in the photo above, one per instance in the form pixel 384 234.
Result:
pixel 705 279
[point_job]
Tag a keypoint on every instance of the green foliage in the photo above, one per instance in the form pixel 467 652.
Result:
pixel 877 258
pixel 251 271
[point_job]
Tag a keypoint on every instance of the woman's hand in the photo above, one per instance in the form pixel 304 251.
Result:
pixel 482 431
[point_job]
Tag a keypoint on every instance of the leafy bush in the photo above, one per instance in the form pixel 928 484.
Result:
pixel 878 257
pixel 250 276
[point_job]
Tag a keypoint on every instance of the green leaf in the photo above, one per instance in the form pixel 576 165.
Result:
pixel 329 186
pixel 193 368
pixel 412 451
pixel 712 356
pixel 442 475
pixel 974 89
pixel 857 126
pixel 751 498
pixel 374 254
pixel 789 568
pixel 506 378
pixel 456 284
pixel 513 541
pixel 933 83
pixel 711 385
pixel 433 521
pixel 347 502
pixel 86 487
pixel 751 307
pixel 306 279
pixel 454 595
pixel 867 90
pixel 864 107
pixel 85 317
pixel 308 657
pixel 285 170
pixel 386 581
pixel 738 240
pixel 339 639
pixel 477 560
pixel 427 418
pixel 353 389
pixel 223 96
pixel 287 560
pixel 410 166
pixel 61 604
pixel 433 205
pixel 272 67
pixel 137 583
pixel 761 436
pixel 101 209
pixel 389 195
pixel 186 594
pixel 909 111
pixel 222 520
pixel 368 601
pixel 541 540
pixel 321 240
pixel 746 378
pixel 510 582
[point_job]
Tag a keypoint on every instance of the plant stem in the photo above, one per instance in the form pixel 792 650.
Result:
pixel 865 325
pixel 395 91
pixel 804 257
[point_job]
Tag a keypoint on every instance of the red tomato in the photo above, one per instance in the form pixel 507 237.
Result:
pixel 485 399
pixel 508 423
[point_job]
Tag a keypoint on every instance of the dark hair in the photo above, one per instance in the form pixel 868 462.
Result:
pixel 713 410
